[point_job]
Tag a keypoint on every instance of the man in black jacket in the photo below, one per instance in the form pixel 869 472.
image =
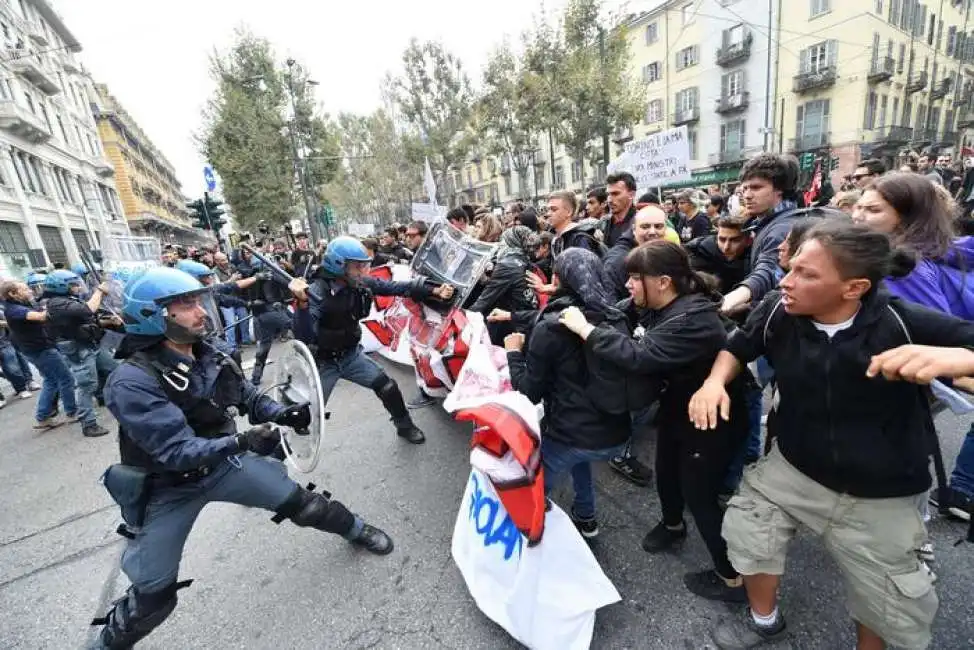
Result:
pixel 508 287
pixel 648 225
pixel 769 182
pixel 621 190
pixel 725 254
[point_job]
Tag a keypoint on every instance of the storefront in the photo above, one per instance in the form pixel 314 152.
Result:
pixel 703 178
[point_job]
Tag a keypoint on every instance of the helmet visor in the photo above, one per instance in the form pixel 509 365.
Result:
pixel 191 316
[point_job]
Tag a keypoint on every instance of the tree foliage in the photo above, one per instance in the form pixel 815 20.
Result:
pixel 246 137
pixel 434 96
pixel 374 182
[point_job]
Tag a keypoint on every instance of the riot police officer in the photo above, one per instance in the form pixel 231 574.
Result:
pixel 72 322
pixel 175 397
pixel 271 319
pixel 328 315
pixel 35 281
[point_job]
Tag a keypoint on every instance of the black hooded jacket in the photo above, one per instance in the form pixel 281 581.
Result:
pixel 615 265
pixel 706 256
pixel 677 346
pixel 553 369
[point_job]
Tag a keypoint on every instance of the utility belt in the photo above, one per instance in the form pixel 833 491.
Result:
pixel 132 488
pixel 333 355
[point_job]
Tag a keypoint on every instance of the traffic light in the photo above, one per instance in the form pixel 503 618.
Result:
pixel 198 214
pixel 207 213
pixel 214 212
pixel 807 161
pixel 327 216
pixel 834 163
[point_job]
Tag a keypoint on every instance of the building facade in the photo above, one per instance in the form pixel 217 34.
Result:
pixel 57 194
pixel 875 81
pixel 151 196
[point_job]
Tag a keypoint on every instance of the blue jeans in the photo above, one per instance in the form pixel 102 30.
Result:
pixel 228 314
pixel 559 459
pixel 267 326
pixel 243 329
pixel 962 478
pixel 57 381
pixel 15 368
pixel 751 450
pixel 86 363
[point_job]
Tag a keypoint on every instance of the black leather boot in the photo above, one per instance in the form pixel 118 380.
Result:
pixel 374 540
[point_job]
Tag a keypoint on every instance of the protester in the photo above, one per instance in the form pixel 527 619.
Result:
pixel 553 371
pixel 851 457
pixel 682 332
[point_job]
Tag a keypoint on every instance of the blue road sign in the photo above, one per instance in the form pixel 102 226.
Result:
pixel 209 178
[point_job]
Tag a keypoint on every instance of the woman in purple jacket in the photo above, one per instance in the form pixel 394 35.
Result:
pixel 920 215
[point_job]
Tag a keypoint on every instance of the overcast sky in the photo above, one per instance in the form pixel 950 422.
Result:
pixel 153 53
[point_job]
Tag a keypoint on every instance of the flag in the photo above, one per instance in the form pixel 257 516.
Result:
pixel 429 184
pixel 816 186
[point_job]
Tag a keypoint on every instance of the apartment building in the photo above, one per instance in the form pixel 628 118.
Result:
pixel 57 194
pixel 151 196
pixel 873 79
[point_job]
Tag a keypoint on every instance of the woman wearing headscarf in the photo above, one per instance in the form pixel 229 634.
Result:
pixel 508 289
pixel 553 371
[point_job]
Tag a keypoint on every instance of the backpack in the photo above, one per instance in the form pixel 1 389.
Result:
pixel 589 230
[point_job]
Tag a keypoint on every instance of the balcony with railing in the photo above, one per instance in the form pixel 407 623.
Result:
pixel 21 122
pixel 622 135
pixel 917 82
pixel 69 62
pixel 36 34
pixel 823 78
pixel 733 103
pixel 808 141
pixel 941 89
pixel 726 157
pixel 35 72
pixel 882 69
pixel 948 138
pixel 924 135
pixel 686 116
pixel 894 135
pixel 733 53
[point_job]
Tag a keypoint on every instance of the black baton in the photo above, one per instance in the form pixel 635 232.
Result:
pixel 279 274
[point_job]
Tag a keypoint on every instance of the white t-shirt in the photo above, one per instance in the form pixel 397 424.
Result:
pixel 831 329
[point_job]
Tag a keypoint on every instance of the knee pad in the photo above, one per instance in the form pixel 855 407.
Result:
pixel 383 385
pixel 310 509
pixel 135 614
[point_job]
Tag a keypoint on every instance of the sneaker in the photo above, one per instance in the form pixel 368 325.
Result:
pixel 632 470
pixel 420 401
pixel 374 540
pixel 708 584
pixel 925 553
pixel 742 633
pixel 33 386
pixel 26 394
pixel 957 504
pixel 588 528
pixel 93 430
pixel 49 422
pixel 73 417
pixel 662 538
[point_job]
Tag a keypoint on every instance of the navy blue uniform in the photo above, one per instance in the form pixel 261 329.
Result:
pixel 177 428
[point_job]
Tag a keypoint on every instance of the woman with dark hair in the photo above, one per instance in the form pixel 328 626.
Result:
pixel 850 459
pixel 677 330
pixel 919 216
pixel 554 371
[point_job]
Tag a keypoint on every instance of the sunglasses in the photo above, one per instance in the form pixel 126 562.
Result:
pixel 859 177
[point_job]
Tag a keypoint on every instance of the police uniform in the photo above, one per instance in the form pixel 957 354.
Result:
pixel 73 325
pixel 180 450
pixel 271 318
pixel 329 324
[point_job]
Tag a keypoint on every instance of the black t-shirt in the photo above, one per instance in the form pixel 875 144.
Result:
pixel 696 226
pixel 28 336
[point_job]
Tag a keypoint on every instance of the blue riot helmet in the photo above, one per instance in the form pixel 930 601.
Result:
pixel 341 251
pixel 80 269
pixel 35 281
pixel 201 272
pixel 164 301
pixel 64 283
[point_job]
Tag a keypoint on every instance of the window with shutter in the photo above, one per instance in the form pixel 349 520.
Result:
pixel 869 121
pixel 12 238
pixel 652 33
pixel 53 244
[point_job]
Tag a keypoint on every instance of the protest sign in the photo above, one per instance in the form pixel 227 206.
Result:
pixel 658 160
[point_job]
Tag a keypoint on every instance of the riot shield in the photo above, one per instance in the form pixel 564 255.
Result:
pixel 123 258
pixel 448 255
pixel 296 381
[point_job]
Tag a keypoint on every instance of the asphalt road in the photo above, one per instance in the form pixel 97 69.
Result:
pixel 260 586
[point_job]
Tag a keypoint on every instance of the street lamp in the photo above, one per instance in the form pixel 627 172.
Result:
pixel 302 166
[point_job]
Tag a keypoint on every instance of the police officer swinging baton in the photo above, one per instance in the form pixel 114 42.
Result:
pixel 279 274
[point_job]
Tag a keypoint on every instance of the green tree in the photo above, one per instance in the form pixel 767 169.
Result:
pixel 244 134
pixel 584 70
pixel 376 178
pixel 511 111
pixel 435 98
